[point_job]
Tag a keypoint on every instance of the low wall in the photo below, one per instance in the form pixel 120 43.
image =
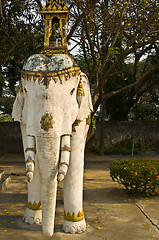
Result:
pixel 10 138
pixel 144 134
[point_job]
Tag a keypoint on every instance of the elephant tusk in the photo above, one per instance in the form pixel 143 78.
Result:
pixel 65 157
pixel 64 163
pixel 30 156
pixel 30 176
pixel 30 168
pixel 61 176
pixel 30 161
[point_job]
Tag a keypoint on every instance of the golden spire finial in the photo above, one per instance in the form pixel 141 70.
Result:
pixel 58 4
pixel 55 16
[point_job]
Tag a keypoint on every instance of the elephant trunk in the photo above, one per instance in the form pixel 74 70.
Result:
pixel 48 156
pixel 30 157
pixel 48 206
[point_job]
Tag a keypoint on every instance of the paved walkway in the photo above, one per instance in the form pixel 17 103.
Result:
pixel 109 212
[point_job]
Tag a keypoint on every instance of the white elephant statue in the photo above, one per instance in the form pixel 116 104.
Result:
pixel 52 106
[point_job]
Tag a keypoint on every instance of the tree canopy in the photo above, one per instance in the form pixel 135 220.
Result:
pixel 111 33
pixel 21 34
pixel 117 41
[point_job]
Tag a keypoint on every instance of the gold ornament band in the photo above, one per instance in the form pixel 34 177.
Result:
pixel 30 171
pixel 65 149
pixel 30 161
pixel 80 89
pixel 75 124
pixel 20 88
pixel 88 120
pixel 47 122
pixel 34 206
pixel 74 218
pixel 40 76
pixel 30 149
pixel 50 52
pixel 64 163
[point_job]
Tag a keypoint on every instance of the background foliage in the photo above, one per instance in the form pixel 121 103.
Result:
pixel 117 44
pixel 138 176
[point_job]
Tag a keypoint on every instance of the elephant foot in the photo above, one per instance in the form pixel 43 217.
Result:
pixel 74 227
pixel 32 216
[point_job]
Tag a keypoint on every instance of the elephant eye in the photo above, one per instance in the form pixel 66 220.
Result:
pixel 72 91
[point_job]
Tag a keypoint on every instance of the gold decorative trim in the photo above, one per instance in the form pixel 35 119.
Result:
pixel 37 74
pixel 55 75
pixel 20 88
pixel 30 161
pixel 54 11
pixel 74 218
pixel 34 206
pixel 75 124
pixel 50 52
pixel 88 120
pixel 80 89
pixel 55 15
pixel 64 163
pixel 65 149
pixel 30 149
pixel 28 171
pixel 47 122
pixel 53 6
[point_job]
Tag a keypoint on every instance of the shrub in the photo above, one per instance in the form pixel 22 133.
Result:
pixel 139 176
pixel 5 118
pixel 117 149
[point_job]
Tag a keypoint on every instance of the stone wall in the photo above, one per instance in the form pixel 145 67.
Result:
pixel 144 134
pixel 10 138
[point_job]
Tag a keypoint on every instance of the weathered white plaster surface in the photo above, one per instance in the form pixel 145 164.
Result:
pixel 59 101
pixel 55 63
pixel 73 185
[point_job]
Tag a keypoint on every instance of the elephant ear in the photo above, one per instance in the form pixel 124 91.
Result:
pixel 18 107
pixel 86 106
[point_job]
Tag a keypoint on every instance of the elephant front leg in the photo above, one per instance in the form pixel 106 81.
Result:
pixel 33 212
pixel 74 221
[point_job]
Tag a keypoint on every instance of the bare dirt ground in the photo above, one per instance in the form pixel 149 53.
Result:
pixel 110 213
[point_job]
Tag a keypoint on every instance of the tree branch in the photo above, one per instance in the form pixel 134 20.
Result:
pixel 128 87
pixel 73 28
pixel 39 3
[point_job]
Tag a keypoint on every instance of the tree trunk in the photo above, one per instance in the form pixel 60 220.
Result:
pixel 1 89
pixel 102 128
pixel 1 82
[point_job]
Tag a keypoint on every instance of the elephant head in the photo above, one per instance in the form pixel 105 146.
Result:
pixel 54 97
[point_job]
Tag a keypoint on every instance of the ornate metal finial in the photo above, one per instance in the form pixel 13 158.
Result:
pixel 58 4
pixel 55 16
